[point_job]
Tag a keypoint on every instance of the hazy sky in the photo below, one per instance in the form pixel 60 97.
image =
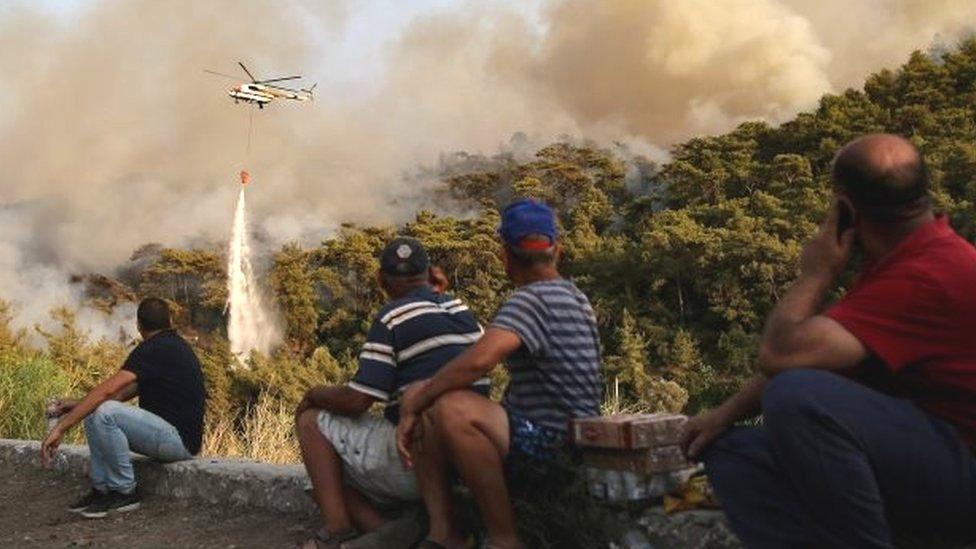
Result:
pixel 111 135
pixel 352 57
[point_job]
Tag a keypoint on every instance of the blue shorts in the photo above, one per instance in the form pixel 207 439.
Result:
pixel 528 439
pixel 534 450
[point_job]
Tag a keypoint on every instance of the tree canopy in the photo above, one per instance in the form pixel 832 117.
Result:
pixel 682 261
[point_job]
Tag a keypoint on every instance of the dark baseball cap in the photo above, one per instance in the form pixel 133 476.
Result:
pixel 404 256
pixel 527 217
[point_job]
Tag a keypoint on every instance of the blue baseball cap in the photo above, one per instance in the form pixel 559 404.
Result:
pixel 527 217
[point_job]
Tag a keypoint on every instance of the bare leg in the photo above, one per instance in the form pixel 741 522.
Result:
pixel 433 478
pixel 324 468
pixel 474 431
pixel 364 516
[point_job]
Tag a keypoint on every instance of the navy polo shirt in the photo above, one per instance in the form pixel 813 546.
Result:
pixel 410 340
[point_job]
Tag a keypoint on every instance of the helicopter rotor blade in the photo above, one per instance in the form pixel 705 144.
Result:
pixel 268 81
pixel 238 78
pixel 251 76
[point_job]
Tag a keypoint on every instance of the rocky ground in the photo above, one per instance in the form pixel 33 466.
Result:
pixel 32 514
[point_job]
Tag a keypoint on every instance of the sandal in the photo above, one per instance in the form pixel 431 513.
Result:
pixel 487 544
pixel 326 540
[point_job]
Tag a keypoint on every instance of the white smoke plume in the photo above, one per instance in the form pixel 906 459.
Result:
pixel 111 135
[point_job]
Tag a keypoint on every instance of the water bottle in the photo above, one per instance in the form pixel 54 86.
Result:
pixel 635 486
pixel 596 482
pixel 615 487
pixel 52 412
pixel 657 485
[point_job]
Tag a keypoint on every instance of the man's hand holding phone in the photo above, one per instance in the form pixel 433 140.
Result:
pixel 827 253
pixel 845 217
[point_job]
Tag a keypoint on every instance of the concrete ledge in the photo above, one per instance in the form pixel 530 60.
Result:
pixel 281 488
pixel 218 481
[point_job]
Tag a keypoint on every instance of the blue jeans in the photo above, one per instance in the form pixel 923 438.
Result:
pixel 113 429
pixel 837 464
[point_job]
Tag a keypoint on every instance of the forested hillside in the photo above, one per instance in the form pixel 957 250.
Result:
pixel 682 261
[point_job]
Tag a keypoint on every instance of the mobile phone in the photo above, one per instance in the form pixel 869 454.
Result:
pixel 845 218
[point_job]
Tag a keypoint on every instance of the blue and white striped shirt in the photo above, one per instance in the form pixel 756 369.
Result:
pixel 410 340
pixel 555 373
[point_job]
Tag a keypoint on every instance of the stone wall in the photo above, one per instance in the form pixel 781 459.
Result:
pixel 223 481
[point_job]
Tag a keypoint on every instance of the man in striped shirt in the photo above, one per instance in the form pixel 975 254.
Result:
pixel 351 456
pixel 547 336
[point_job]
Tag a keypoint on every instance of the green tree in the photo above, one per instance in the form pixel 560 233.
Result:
pixel 293 285
pixel 193 280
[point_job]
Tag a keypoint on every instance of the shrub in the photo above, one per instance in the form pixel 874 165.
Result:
pixel 26 381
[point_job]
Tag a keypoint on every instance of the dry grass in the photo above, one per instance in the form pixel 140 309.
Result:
pixel 266 434
pixel 220 438
pixel 668 397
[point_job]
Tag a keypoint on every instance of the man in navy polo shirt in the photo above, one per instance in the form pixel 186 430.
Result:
pixel 546 335
pixel 350 455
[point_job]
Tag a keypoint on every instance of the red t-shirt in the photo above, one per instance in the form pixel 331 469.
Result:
pixel 915 310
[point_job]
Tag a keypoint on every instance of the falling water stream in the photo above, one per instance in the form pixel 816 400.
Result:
pixel 249 327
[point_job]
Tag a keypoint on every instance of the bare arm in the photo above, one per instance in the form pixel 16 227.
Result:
pixel 104 391
pixel 701 430
pixel 460 373
pixel 466 368
pixel 128 392
pixel 795 336
pixel 747 402
pixel 340 400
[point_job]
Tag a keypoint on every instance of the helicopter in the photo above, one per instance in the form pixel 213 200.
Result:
pixel 263 92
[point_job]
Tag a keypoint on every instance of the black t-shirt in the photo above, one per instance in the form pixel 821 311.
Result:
pixel 170 384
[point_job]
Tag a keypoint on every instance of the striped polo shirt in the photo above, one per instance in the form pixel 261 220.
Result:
pixel 410 340
pixel 555 373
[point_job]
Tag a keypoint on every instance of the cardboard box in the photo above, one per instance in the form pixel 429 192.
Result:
pixel 628 431
pixel 663 459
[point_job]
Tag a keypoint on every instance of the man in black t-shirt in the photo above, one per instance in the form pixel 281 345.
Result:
pixel 168 424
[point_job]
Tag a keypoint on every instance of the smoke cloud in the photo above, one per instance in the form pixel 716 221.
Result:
pixel 111 135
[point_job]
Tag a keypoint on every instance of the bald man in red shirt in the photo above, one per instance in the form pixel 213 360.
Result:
pixel 869 405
